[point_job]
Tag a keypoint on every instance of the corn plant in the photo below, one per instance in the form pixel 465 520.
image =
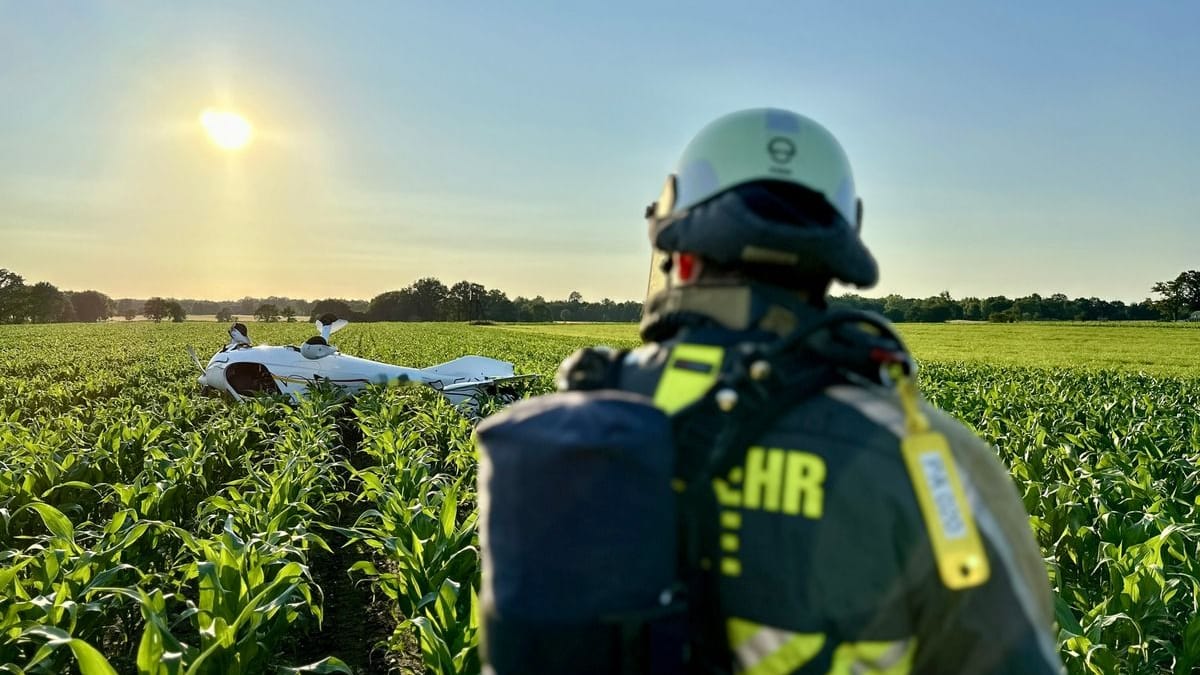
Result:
pixel 148 527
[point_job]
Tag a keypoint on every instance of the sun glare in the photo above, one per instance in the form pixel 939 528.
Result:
pixel 229 130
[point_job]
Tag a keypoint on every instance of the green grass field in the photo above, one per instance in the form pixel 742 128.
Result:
pixel 148 527
pixel 1153 348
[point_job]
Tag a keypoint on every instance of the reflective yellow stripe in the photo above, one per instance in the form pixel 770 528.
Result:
pixel 691 371
pixel 740 630
pixel 763 650
pixel 874 658
pixel 731 567
pixel 731 520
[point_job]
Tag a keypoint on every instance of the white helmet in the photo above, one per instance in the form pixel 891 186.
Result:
pixel 765 187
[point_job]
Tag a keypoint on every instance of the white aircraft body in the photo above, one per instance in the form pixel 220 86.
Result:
pixel 241 369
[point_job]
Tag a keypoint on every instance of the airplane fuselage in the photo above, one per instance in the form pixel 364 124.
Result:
pixel 243 370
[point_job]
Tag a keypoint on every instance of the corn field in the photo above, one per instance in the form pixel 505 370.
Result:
pixel 146 527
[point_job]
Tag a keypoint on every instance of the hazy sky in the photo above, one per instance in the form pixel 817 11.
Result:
pixel 1005 148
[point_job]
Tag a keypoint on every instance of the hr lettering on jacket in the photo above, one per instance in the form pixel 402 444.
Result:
pixel 776 480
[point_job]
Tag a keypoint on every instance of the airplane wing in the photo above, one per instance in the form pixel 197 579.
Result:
pixel 459 386
pixel 472 366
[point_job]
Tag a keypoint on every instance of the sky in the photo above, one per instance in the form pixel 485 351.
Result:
pixel 999 148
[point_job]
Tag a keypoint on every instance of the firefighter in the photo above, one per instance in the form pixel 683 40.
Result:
pixel 828 519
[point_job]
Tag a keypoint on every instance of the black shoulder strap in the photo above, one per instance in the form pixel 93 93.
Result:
pixel 761 380
pixel 709 435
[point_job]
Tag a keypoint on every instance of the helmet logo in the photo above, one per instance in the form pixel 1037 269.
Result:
pixel 781 150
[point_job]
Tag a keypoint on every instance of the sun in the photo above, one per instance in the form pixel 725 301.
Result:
pixel 229 130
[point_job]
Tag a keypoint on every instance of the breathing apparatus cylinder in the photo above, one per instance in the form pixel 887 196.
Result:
pixel 578 534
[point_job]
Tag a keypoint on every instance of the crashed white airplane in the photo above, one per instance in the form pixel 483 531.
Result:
pixel 241 369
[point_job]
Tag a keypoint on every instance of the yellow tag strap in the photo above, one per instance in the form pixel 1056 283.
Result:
pixel 906 386
pixel 957 548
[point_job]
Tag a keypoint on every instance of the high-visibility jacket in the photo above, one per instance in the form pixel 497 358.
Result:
pixel 833 543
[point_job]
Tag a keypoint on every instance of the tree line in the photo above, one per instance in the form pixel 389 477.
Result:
pixel 244 307
pixel 1181 299
pixel 43 302
pixel 999 309
pixel 428 299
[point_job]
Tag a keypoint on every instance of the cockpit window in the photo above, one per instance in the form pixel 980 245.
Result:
pixel 250 378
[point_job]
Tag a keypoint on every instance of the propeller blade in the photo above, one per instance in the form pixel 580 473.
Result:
pixel 195 359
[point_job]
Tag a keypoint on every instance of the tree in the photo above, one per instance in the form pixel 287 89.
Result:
pixel 156 309
pixel 996 304
pixel 338 308
pixel 267 313
pixel 972 309
pixel 630 310
pixel 175 311
pixel 200 306
pixel 1180 295
pixel 224 315
pixel 92 306
pixel 466 300
pixel 44 303
pixel 896 307
pixel 936 309
pixel 534 310
pixel 1143 311
pixel 391 306
pixel 429 295
pixel 858 302
pixel 1006 316
pixel 608 310
pixel 497 306
pixel 1028 307
pixel 289 314
pixel 67 314
pixel 12 297
pixel 1057 307
pixel 122 305
pixel 1170 307
pixel 1189 286
pixel 130 314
